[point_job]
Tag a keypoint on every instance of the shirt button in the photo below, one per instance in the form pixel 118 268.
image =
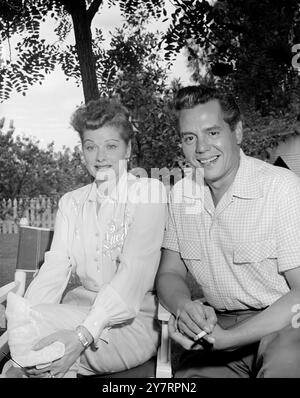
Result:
pixel 97 234
pixel 96 259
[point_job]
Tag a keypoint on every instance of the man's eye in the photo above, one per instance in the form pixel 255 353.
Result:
pixel 213 133
pixel 189 139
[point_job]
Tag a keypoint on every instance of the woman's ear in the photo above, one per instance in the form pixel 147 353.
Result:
pixel 128 150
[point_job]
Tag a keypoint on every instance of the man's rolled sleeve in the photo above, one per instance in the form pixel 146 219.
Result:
pixel 170 237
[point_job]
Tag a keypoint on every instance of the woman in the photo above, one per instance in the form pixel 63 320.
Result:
pixel 109 233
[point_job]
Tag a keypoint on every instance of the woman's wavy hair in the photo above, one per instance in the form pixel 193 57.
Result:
pixel 102 112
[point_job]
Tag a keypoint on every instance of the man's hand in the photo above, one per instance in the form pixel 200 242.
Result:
pixel 183 340
pixel 222 339
pixel 219 339
pixel 58 368
pixel 195 317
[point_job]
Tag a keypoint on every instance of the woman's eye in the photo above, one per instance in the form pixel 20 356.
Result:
pixel 111 147
pixel 90 148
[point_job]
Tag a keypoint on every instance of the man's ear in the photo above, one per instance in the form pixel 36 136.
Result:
pixel 238 131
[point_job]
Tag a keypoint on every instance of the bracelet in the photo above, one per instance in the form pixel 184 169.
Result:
pixel 82 337
pixel 176 321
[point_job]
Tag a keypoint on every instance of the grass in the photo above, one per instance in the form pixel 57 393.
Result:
pixel 8 257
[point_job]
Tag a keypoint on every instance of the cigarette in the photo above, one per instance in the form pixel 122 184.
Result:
pixel 200 335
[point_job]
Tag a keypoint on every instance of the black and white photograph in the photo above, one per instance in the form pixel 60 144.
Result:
pixel 150 192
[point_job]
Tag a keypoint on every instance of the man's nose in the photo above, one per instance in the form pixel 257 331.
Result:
pixel 202 144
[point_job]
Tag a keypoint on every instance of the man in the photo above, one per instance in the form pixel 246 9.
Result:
pixel 239 236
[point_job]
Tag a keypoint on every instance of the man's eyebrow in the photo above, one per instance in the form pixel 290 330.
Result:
pixel 214 127
pixel 112 139
pixel 209 128
pixel 188 133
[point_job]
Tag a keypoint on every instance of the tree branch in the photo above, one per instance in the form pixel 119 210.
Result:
pixel 94 7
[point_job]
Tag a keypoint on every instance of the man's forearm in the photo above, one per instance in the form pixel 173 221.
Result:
pixel 272 319
pixel 173 291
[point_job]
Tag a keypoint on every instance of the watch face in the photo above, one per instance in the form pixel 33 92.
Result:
pixel 83 340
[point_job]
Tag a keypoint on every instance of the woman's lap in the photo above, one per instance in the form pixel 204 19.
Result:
pixel 128 345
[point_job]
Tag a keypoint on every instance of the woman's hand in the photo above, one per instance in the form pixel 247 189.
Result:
pixel 58 368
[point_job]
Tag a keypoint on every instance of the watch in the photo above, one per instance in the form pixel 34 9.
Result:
pixel 82 337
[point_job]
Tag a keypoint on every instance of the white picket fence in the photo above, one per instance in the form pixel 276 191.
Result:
pixel 40 212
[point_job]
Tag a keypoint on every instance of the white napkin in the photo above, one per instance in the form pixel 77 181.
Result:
pixel 25 327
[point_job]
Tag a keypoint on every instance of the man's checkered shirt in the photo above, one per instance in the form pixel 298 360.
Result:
pixel 238 252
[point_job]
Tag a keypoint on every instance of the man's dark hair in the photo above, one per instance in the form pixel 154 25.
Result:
pixel 190 96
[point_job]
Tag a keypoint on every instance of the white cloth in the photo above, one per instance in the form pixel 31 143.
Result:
pixel 26 327
pixel 120 272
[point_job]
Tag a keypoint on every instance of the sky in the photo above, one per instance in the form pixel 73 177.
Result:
pixel 44 113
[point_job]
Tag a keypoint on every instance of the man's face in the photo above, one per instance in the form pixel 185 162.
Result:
pixel 209 143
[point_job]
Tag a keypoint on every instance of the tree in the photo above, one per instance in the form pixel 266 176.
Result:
pixel 35 57
pixel 247 45
pixel 26 170
pixel 246 48
pixel 137 75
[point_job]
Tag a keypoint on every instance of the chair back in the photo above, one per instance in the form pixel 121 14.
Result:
pixel 33 243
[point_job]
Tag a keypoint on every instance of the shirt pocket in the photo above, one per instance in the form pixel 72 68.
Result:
pixel 254 252
pixel 192 255
pixel 190 249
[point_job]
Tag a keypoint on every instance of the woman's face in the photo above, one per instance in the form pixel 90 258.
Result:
pixel 105 151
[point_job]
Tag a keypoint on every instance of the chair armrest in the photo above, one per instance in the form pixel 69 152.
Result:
pixel 163 314
pixel 4 349
pixel 10 287
pixel 164 365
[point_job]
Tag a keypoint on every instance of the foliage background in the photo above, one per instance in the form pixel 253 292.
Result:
pixel 243 47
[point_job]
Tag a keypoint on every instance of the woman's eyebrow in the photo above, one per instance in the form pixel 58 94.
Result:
pixel 88 139
pixel 112 139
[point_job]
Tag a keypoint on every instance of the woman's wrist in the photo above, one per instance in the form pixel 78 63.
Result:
pixel 84 336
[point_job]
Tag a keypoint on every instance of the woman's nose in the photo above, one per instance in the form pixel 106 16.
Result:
pixel 101 154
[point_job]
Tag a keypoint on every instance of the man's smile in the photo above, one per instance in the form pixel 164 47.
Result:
pixel 208 161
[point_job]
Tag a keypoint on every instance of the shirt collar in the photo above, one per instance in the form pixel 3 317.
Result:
pixel 116 194
pixel 245 184
pixel 190 188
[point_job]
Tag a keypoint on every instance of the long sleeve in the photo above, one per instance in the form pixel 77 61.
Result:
pixel 49 284
pixel 121 299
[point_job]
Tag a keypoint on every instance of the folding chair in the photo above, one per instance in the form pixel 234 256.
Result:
pixel 33 243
